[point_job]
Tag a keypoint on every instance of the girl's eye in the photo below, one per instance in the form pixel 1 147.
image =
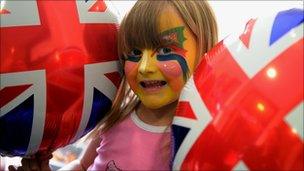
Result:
pixel 135 53
pixel 164 51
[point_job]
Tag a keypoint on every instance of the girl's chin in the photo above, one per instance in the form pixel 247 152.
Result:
pixel 157 104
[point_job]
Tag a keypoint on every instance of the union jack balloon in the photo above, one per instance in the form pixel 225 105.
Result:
pixel 59 72
pixel 243 107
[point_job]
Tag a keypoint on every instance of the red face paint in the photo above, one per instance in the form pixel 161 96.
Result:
pixel 170 69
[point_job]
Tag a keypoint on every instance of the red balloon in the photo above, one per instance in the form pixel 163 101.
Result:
pixel 243 107
pixel 59 72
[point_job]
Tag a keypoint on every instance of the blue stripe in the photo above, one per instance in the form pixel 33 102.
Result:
pixel 16 127
pixel 133 58
pixel 181 60
pixel 101 105
pixel 179 134
pixel 284 22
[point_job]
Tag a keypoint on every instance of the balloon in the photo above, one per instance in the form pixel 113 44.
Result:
pixel 243 107
pixel 59 72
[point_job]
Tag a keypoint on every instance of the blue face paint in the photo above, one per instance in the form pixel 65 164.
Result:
pixel 133 58
pixel 181 60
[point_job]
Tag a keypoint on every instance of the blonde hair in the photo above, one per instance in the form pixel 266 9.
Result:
pixel 139 29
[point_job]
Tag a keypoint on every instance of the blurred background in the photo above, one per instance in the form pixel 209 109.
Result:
pixel 231 17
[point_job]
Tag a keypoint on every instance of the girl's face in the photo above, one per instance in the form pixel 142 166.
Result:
pixel 158 75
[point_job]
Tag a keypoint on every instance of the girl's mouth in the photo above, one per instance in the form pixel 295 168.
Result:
pixel 152 85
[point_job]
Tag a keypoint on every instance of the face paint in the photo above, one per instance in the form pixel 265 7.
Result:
pixel 158 75
pixel 170 68
pixel 180 60
pixel 131 72
pixel 183 42
pixel 175 35
pixel 172 72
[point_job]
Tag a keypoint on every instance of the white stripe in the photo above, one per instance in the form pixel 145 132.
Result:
pixel 184 122
pixel 191 94
pixel 22 13
pixel 260 53
pixel 240 166
pixel 295 118
pixel 95 78
pixel 38 88
pixel 109 16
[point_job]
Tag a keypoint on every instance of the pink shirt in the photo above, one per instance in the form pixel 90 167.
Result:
pixel 133 145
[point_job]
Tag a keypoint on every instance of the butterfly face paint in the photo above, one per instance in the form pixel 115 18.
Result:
pixel 158 75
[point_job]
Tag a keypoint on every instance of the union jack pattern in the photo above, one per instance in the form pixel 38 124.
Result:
pixel 59 72
pixel 242 107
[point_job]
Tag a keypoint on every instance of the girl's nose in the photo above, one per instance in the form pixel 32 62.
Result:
pixel 147 63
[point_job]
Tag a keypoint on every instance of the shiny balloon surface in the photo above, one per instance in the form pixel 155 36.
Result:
pixel 243 107
pixel 59 72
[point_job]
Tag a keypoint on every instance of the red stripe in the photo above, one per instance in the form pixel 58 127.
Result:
pixel 9 93
pixel 217 77
pixel 241 129
pixel 4 11
pixel 278 145
pixel 98 6
pixel 114 77
pixel 245 37
pixel 184 109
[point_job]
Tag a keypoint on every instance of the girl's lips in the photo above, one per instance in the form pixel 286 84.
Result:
pixel 152 86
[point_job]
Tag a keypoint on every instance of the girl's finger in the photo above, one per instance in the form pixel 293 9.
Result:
pixel 44 156
pixel 12 168
pixel 43 159
pixel 45 165
pixel 34 165
pixel 25 163
pixel 20 168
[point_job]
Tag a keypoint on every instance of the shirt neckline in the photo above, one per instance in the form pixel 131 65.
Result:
pixel 147 127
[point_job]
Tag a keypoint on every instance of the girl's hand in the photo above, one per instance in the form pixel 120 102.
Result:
pixel 37 162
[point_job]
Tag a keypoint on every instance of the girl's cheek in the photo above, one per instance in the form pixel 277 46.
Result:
pixel 170 69
pixel 131 72
pixel 174 74
pixel 130 67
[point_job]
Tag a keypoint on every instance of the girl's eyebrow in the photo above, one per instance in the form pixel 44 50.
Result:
pixel 166 42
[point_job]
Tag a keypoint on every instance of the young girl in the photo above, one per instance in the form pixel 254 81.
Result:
pixel 160 43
